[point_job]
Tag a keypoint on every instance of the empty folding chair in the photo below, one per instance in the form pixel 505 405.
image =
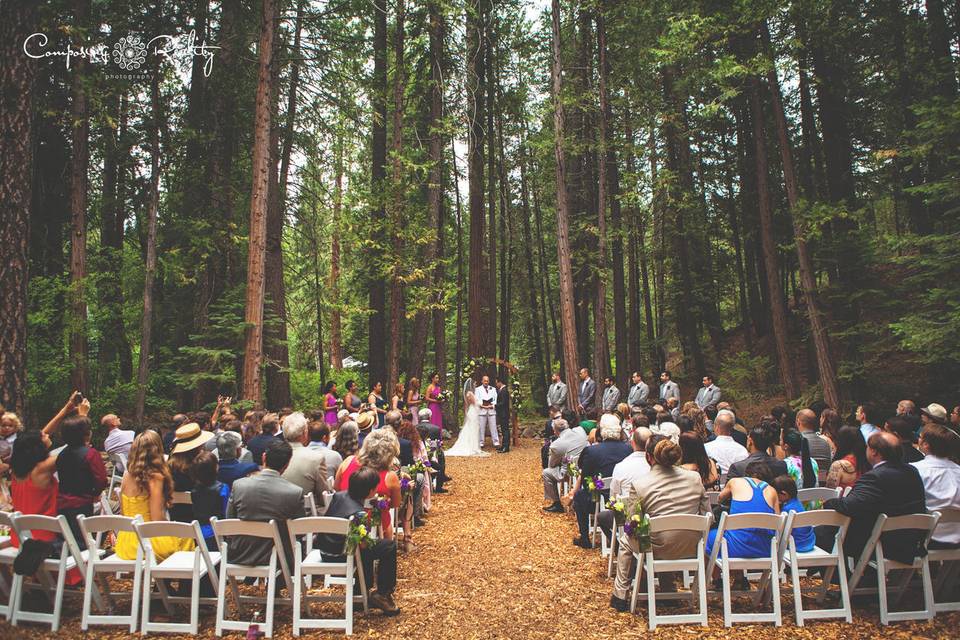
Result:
pixel 769 566
pixel 309 562
pixel 180 565
pixel 71 557
pixel 948 578
pixel 649 562
pixel 93 530
pixel 832 561
pixel 8 554
pixel 821 494
pixel 182 497
pixel 227 529
pixel 873 557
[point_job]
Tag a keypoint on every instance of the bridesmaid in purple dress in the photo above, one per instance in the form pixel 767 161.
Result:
pixel 436 407
pixel 330 403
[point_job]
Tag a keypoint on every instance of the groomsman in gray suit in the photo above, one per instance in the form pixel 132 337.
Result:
pixel 611 396
pixel 708 394
pixel 557 393
pixel 669 388
pixel 587 393
pixel 639 392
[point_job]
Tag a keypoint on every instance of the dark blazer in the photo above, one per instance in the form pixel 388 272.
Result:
pixel 429 430
pixel 341 506
pixel 231 470
pixel 503 404
pixel 260 443
pixel 406 452
pixel 738 469
pixel 891 489
pixel 600 459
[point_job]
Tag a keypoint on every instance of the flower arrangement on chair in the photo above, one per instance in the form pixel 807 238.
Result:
pixel 361 531
pixel 637 526
pixel 594 484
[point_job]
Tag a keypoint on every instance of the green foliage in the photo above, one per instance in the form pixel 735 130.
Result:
pixel 747 378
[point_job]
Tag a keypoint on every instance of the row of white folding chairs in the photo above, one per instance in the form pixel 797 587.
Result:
pixel 194 565
pixel 784 553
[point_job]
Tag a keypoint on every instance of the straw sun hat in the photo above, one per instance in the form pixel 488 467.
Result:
pixel 189 437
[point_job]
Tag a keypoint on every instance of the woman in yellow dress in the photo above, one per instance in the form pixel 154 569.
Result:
pixel 147 490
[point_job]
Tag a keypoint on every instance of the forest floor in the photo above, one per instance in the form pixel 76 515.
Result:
pixel 490 564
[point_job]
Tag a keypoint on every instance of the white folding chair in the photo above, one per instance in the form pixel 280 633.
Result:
pixel 7 555
pixel 873 557
pixel 181 565
pixel 93 530
pixel 821 494
pixel 71 557
pixel 672 524
pixel 312 563
pixel 948 577
pixel 769 566
pixel 713 497
pixel 592 521
pixel 832 561
pixel 182 497
pixel 226 529
pixel 309 504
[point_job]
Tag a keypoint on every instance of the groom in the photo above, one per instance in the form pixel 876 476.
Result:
pixel 503 413
pixel 487 399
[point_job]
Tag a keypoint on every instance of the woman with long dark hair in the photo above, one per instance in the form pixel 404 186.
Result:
pixel 850 460
pixel 695 458
pixel 801 467
pixel 830 425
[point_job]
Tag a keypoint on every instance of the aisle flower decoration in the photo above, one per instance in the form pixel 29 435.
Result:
pixel 618 509
pixel 433 447
pixel 406 486
pixel 570 467
pixel 377 504
pixel 418 466
pixel 516 395
pixel 595 486
pixel 361 532
pixel 637 526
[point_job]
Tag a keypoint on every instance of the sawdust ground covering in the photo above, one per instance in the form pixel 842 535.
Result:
pixel 490 564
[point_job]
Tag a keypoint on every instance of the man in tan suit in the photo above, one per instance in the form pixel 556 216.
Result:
pixel 665 490
pixel 308 467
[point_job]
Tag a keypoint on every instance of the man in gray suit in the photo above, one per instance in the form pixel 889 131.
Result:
pixel 263 497
pixel 569 444
pixel 708 394
pixel 308 467
pixel 557 393
pixel 586 393
pixel 639 392
pixel 669 388
pixel 611 396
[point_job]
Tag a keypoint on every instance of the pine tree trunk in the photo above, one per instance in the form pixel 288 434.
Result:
pixel 633 264
pixel 458 346
pixel 505 307
pixel 538 387
pixel 377 322
pixel 825 363
pixel 490 313
pixel 336 351
pixel 476 112
pixel 778 310
pixel 79 161
pixel 435 202
pixel 397 200
pixel 601 339
pixel 655 340
pixel 569 353
pixel 17 78
pixel 150 268
pixel 256 257
pixel 731 207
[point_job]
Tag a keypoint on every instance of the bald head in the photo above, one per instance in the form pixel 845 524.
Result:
pixel 724 422
pixel 806 420
pixel 906 408
pixel 110 421
pixel 884 446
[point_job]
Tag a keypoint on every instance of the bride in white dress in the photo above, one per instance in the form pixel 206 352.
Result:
pixel 468 442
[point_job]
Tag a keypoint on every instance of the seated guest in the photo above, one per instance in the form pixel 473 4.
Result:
pixel 800 466
pixel 786 487
pixel 820 449
pixel 666 490
pixel 263 497
pixel 229 445
pixel 365 423
pixel 430 431
pixel 392 420
pixel 168 438
pixel 626 471
pixel 758 443
pixel 598 460
pixel 569 444
pixel 724 449
pixel 34 487
pixel 830 424
pixel 379 450
pixel 866 414
pixel 81 474
pixel 189 443
pixel 710 414
pixel 307 467
pixel 850 461
pixel 668 430
pixel 118 441
pixel 209 496
pixel 421 490
pixel 320 441
pixel 346 440
pixel 892 488
pixel 750 493
pixel 345 504
pixel 266 437
pixel 932 414
pixel 941 481
pixel 146 490
pixel 695 458
pixel 904 430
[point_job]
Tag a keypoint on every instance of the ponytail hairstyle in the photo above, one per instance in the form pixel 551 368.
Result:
pixel 666 453
pixel 797 443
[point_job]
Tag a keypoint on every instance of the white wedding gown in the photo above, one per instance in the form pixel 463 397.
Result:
pixel 468 442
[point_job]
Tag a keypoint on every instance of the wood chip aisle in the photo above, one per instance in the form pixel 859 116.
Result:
pixel 490 564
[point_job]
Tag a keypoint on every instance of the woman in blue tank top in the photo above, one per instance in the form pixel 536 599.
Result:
pixel 750 494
